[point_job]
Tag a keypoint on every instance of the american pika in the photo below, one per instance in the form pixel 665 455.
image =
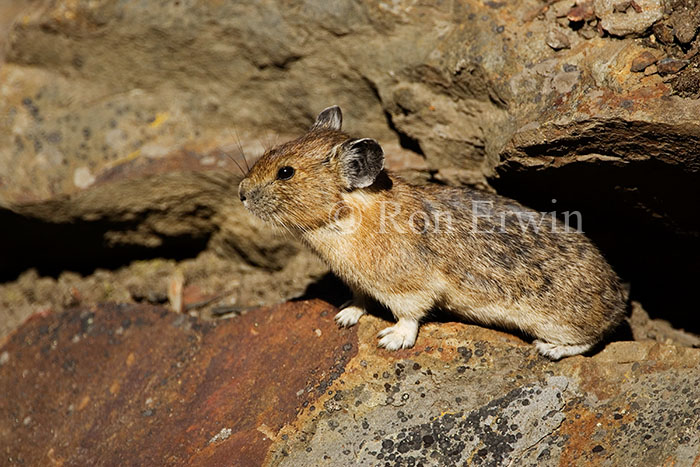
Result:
pixel 414 248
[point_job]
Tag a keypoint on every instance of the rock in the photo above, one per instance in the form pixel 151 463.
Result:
pixel 663 32
pixel 642 61
pixel 581 12
pixel 557 40
pixel 644 328
pixel 285 386
pixel 199 393
pixel 670 65
pixel 685 23
pixel 632 21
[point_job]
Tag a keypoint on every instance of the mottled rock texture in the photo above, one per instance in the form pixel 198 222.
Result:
pixel 284 386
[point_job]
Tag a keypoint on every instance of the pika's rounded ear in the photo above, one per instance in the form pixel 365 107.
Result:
pixel 329 119
pixel 361 160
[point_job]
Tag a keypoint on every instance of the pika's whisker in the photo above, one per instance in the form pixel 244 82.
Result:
pixel 240 148
pixel 270 142
pixel 243 172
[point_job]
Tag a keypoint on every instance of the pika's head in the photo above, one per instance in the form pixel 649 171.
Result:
pixel 299 184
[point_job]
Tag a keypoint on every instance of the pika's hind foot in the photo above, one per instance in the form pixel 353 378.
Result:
pixel 402 335
pixel 349 316
pixel 557 351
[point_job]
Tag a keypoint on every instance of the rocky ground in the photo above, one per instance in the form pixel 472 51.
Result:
pixel 125 123
pixel 285 386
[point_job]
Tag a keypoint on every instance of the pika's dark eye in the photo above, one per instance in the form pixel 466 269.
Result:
pixel 285 173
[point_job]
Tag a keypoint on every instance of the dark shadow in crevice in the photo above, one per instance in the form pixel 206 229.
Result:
pixel 80 246
pixel 623 332
pixel 406 141
pixel 333 290
pixel 328 288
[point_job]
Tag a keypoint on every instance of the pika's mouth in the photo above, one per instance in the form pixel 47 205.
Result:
pixel 248 197
pixel 256 201
pixel 253 205
pixel 244 194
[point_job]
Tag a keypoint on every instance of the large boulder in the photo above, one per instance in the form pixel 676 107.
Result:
pixel 123 384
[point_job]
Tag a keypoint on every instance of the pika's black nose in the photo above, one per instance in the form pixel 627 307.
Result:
pixel 241 195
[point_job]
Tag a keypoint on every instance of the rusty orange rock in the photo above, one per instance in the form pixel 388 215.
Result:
pixel 642 61
pixel 140 385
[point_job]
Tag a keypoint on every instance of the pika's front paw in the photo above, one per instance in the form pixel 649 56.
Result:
pixel 402 335
pixel 349 316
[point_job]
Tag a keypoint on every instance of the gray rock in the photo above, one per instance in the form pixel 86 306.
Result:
pixel 557 40
pixel 631 20
pixel 485 400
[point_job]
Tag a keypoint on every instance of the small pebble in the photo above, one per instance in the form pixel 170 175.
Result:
pixel 582 12
pixel 642 61
pixel 588 33
pixel 685 25
pixel 557 40
pixel 650 70
pixel 670 65
pixel 663 32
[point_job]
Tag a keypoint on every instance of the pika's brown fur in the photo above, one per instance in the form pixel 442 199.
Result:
pixel 415 248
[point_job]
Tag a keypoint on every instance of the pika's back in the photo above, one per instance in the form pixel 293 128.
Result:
pixel 513 254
